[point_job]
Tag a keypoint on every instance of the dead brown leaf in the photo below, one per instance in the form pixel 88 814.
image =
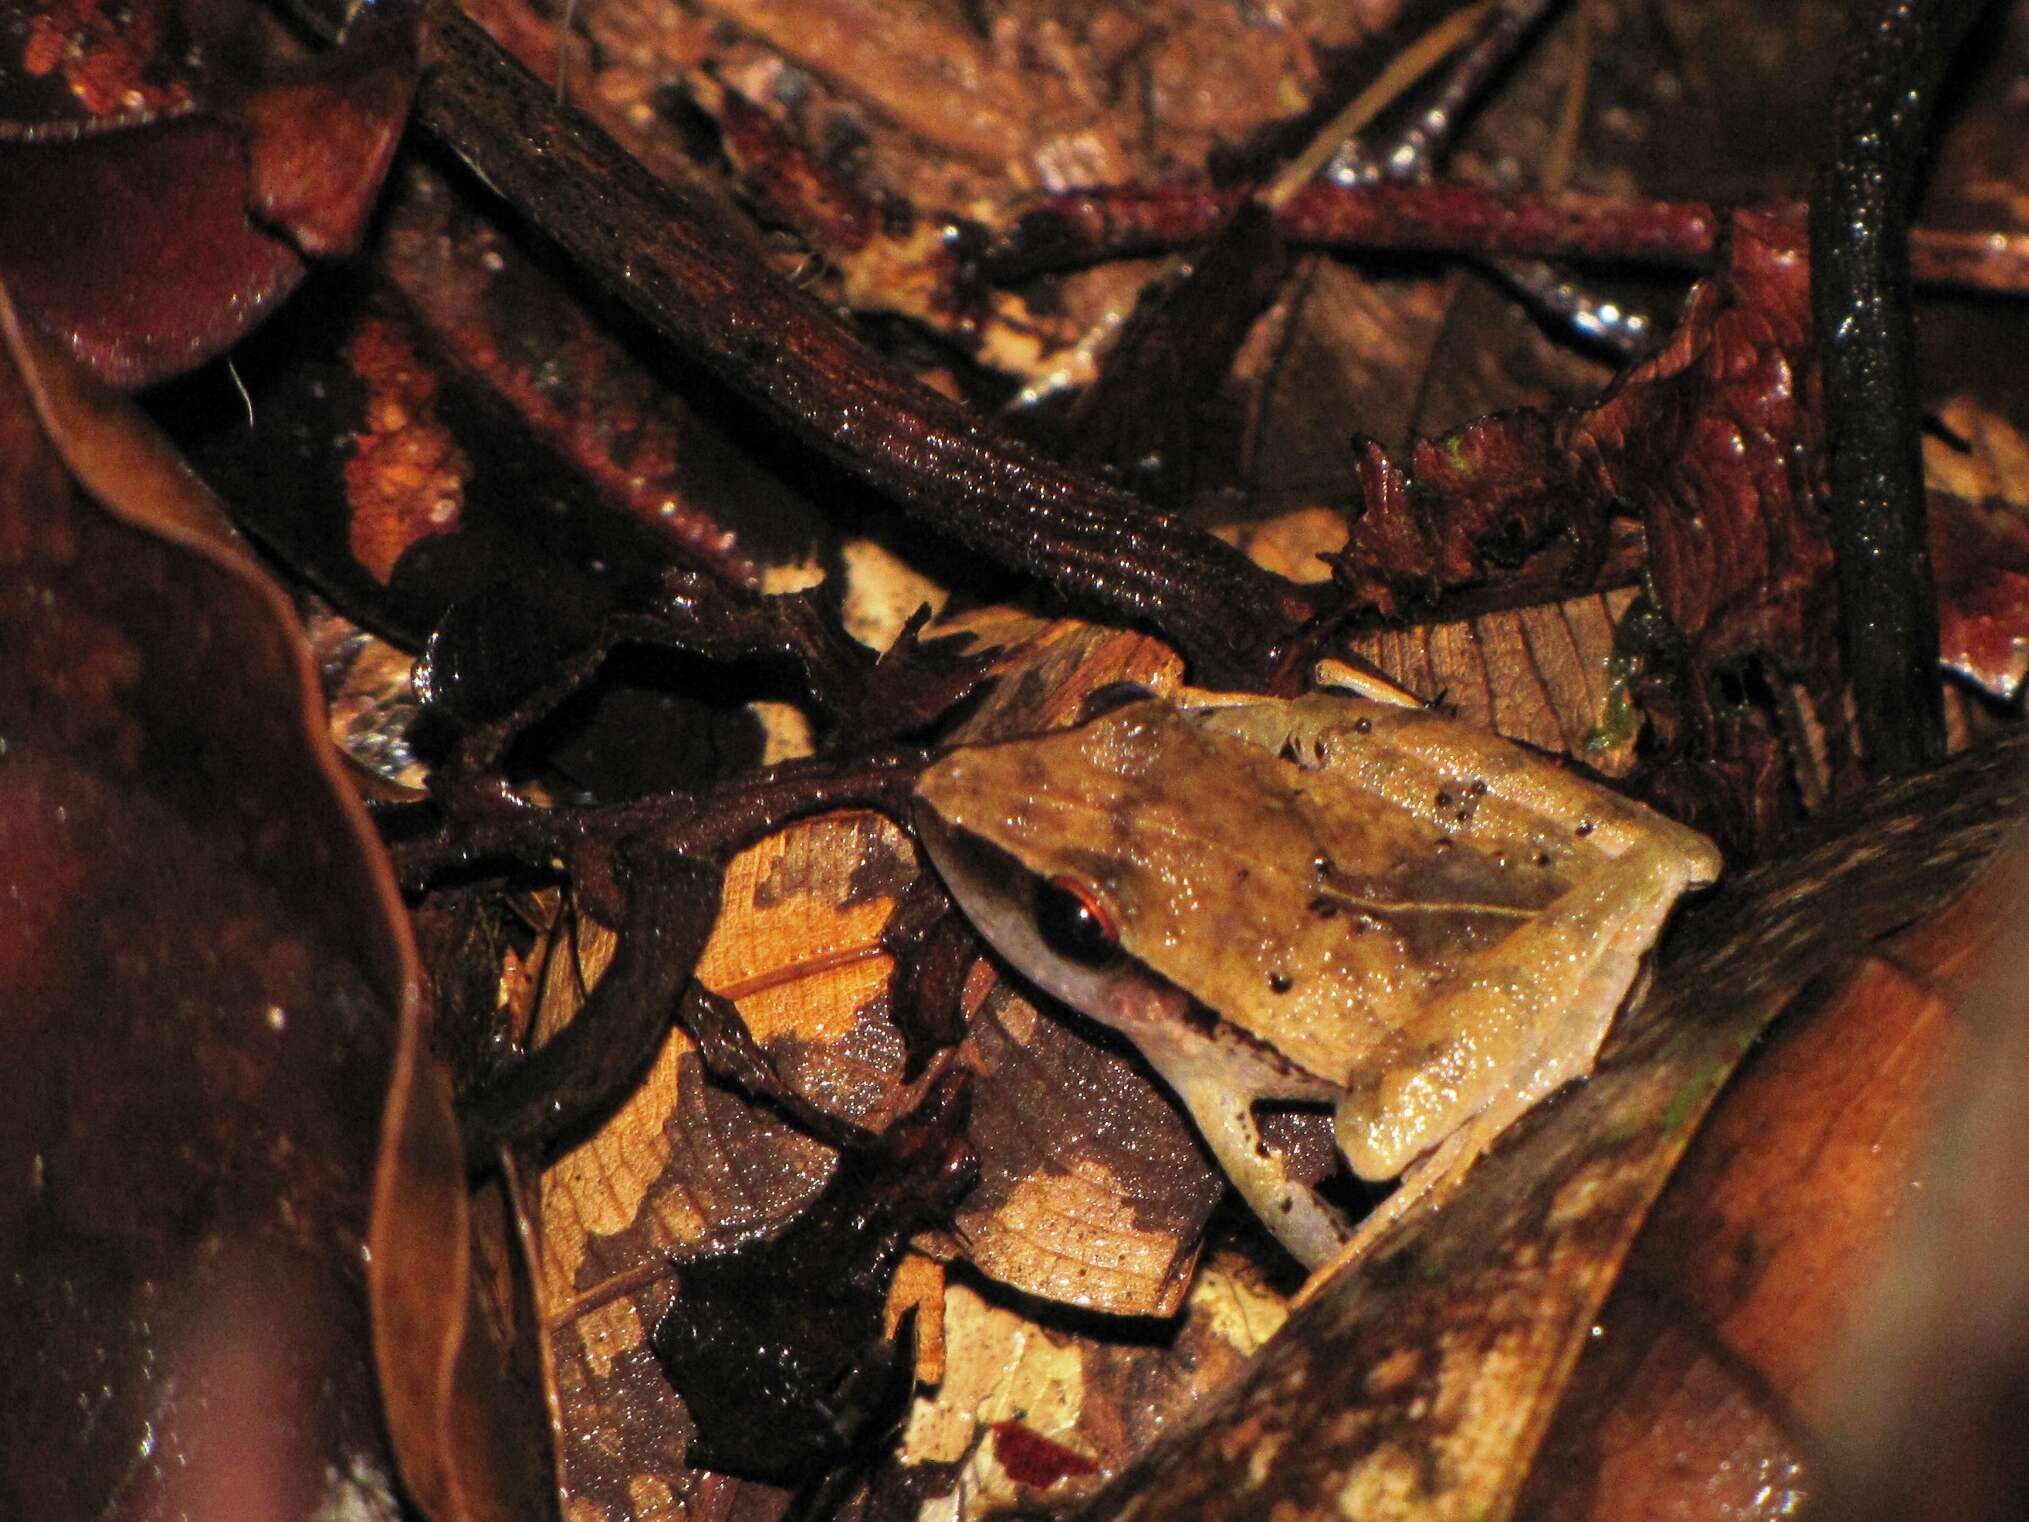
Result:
pixel 212 992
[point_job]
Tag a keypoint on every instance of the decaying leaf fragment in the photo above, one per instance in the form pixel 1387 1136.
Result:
pixel 780 1349
pixel 1033 1411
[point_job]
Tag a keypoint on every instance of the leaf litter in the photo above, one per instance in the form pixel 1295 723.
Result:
pixel 1496 568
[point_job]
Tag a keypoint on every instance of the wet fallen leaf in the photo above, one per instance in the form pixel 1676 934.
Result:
pixel 1916 1404
pixel 152 239
pixel 1708 1383
pixel 251 1120
pixel 210 991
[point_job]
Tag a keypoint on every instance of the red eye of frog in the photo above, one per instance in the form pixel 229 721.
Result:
pixel 1075 922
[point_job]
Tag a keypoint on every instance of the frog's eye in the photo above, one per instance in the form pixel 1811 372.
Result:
pixel 1075 923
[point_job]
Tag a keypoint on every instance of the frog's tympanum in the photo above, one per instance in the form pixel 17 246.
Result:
pixel 1327 899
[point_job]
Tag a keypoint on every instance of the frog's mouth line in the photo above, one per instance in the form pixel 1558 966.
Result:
pixel 992 887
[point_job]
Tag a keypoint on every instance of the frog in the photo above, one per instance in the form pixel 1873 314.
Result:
pixel 1346 897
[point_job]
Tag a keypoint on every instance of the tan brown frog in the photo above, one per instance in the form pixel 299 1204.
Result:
pixel 1331 898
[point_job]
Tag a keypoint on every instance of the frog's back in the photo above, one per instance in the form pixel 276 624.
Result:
pixel 1299 901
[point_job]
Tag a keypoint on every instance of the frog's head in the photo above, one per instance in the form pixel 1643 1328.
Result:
pixel 1033 838
pixel 1138 868
pixel 1060 931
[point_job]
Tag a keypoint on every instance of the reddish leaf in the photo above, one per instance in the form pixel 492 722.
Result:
pixel 212 998
pixel 1980 553
pixel 1034 1460
pixel 152 244
pixel 1924 1400
pixel 1472 502
pixel 205 981
pixel 1716 443
pixel 137 245
pixel 82 60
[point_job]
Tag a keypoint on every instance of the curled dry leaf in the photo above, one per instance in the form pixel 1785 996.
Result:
pixel 1423 1383
pixel 1714 442
pixel 175 665
pixel 210 996
pixel 152 239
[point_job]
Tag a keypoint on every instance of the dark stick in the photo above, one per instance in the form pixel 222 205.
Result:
pixel 653 868
pixel 1414 153
pixel 1866 333
pixel 574 1079
pixel 1084 227
pixel 725 310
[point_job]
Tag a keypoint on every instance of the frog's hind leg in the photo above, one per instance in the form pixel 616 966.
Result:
pixel 1525 1018
pixel 1219 1086
pixel 1299 1218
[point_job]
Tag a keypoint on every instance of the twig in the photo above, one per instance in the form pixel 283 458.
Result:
pixel 754 332
pixel 1886 88
pixel 1090 226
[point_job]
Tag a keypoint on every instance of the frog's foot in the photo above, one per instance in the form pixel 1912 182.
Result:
pixel 1300 1220
pixel 1364 681
pixel 1425 1185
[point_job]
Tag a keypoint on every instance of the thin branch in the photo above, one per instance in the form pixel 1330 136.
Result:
pixel 673 264
pixel 1442 217
pixel 1886 88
